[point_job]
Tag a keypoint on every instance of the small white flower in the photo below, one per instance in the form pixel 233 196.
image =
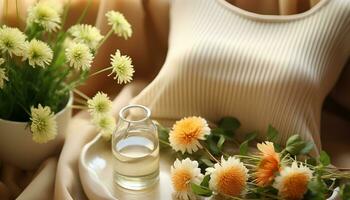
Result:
pixel 183 173
pixel 3 78
pixel 45 16
pixel 79 56
pixel 119 24
pixel 38 53
pixel 105 124
pixel 122 67
pixel 187 132
pixel 86 34
pixel 228 177
pixel 43 124
pixel 293 181
pixel 12 41
pixel 100 104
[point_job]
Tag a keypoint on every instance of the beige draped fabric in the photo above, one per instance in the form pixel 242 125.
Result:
pixel 58 177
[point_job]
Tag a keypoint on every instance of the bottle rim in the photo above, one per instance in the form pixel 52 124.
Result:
pixel 124 110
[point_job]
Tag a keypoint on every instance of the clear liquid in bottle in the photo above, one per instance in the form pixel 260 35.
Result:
pixel 136 156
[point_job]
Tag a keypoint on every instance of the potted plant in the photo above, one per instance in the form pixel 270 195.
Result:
pixel 40 69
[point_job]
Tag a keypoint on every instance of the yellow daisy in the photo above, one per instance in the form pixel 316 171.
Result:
pixel 86 34
pixel 228 177
pixel 44 15
pixel 187 132
pixel 38 53
pixel 43 124
pixel 183 173
pixel 100 104
pixel 119 24
pixel 105 124
pixel 79 56
pixel 122 67
pixel 12 41
pixel 292 181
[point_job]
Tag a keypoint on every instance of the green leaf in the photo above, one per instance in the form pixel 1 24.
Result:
pixel 272 133
pixel 243 148
pixel 207 162
pixel 200 190
pixel 163 133
pixel 345 192
pixel 278 147
pixel 221 142
pixel 311 161
pixel 324 158
pixel 212 145
pixel 229 124
pixel 295 144
pixel 307 148
pixel 221 132
pixel 251 136
pixel 318 189
pixel 205 182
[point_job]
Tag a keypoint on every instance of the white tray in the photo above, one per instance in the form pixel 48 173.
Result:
pixel 96 175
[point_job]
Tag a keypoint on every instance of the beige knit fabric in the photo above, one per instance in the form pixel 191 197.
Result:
pixel 262 69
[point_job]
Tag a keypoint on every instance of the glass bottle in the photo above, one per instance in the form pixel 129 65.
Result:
pixel 135 147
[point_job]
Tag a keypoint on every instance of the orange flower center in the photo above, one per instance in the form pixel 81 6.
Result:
pixel 181 178
pixel 294 186
pixel 188 131
pixel 232 181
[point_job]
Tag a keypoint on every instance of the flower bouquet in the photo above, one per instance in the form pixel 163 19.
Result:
pixel 41 66
pixel 206 164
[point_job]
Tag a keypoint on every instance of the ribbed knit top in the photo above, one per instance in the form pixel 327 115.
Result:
pixel 262 69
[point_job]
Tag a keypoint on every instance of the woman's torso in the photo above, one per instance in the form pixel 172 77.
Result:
pixel 261 69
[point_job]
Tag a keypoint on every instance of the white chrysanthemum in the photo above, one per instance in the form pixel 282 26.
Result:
pixel 187 132
pixel 38 53
pixel 3 78
pixel 228 177
pixel 105 124
pixel 100 104
pixel 119 24
pixel 45 15
pixel 293 181
pixel 12 41
pixel 43 124
pixel 122 67
pixel 183 173
pixel 86 34
pixel 79 56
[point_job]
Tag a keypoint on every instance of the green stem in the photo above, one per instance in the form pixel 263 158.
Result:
pixel 164 142
pixel 81 101
pixel 17 13
pixel 76 91
pixel 82 16
pixel 65 13
pixel 211 155
pixel 78 107
pixel 100 71
pixel 110 32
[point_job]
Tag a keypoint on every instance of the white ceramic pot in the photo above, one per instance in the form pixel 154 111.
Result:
pixel 17 147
